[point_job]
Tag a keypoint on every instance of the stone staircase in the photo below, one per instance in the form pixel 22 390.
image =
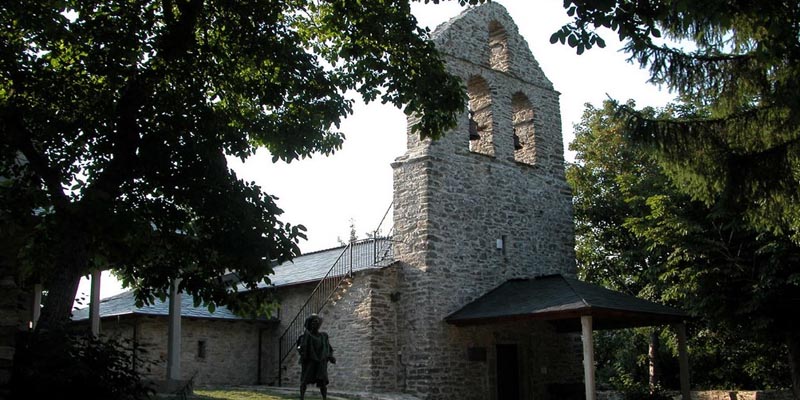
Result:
pixel 356 255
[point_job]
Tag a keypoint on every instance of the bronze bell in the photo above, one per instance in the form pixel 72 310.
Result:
pixel 473 127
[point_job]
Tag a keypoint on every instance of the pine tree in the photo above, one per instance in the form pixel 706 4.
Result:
pixel 743 151
pixel 736 147
pixel 638 233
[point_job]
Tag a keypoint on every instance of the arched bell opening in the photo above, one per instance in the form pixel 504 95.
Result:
pixel 523 129
pixel 480 116
pixel 499 58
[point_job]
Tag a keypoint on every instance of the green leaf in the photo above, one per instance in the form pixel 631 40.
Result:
pixel 572 40
pixel 146 107
pixel 655 32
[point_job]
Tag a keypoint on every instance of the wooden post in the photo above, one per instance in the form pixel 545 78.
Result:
pixel 174 336
pixel 683 360
pixel 652 358
pixel 36 305
pixel 588 356
pixel 94 304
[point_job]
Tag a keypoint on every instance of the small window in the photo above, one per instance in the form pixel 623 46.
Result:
pixel 201 349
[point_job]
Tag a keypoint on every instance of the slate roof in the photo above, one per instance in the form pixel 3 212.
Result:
pixel 563 300
pixel 306 268
pixel 313 266
pixel 125 304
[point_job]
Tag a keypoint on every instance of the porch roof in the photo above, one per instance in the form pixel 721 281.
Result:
pixel 563 300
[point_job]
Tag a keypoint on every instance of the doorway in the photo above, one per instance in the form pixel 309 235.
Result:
pixel 507 372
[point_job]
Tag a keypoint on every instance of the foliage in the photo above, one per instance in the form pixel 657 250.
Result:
pixel 734 145
pixel 353 235
pixel 726 359
pixel 116 119
pixel 636 390
pixel 637 230
pixel 57 364
pixel 742 153
pixel 720 360
pixel 619 355
pixel 611 183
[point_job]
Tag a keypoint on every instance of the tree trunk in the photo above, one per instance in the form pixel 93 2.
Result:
pixel 793 342
pixel 62 284
pixel 60 298
pixel 652 357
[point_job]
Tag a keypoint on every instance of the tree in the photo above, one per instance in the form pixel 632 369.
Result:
pixel 636 226
pixel 611 184
pixel 739 151
pixel 742 152
pixel 352 237
pixel 117 118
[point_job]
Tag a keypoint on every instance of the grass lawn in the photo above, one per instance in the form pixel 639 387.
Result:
pixel 259 394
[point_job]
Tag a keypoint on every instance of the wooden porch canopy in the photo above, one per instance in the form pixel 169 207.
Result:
pixel 573 306
pixel 562 301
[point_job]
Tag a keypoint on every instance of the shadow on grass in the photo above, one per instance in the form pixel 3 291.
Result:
pixel 260 394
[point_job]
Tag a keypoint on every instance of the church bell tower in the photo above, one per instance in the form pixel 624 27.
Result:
pixel 486 203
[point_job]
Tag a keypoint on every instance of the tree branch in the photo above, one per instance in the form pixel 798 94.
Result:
pixel 48 176
pixel 178 40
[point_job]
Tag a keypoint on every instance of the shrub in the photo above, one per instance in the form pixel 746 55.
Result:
pixel 58 364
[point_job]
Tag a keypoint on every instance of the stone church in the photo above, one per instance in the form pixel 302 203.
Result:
pixel 473 292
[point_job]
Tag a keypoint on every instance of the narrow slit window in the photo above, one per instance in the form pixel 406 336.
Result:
pixel 201 349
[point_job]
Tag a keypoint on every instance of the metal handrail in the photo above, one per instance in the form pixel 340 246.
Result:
pixel 332 274
pixel 355 254
pixel 377 230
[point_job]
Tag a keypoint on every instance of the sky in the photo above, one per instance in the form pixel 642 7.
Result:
pixel 355 184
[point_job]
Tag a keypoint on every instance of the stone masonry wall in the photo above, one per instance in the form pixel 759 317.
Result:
pixel 452 206
pixel 383 326
pixel 360 323
pixel 545 358
pixel 231 348
pixel 291 299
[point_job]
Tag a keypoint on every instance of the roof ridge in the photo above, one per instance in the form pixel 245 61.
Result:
pixel 496 288
pixel 321 251
pixel 120 294
pixel 580 296
pixel 548 276
pixel 341 246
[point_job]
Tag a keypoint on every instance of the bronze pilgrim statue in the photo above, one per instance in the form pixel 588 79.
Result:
pixel 315 353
